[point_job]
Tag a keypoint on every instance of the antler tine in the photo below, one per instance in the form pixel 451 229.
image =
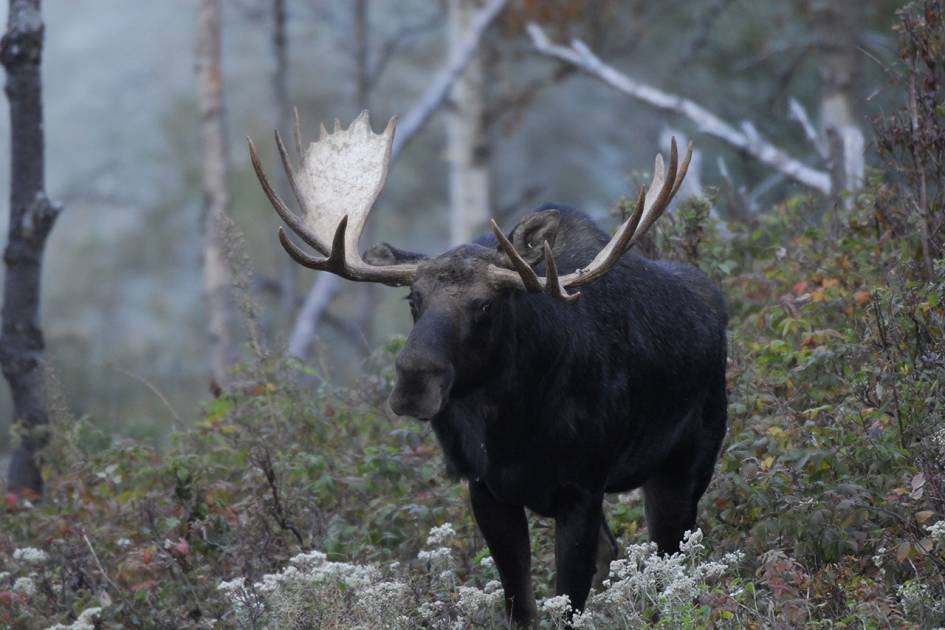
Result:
pixel 666 194
pixel 552 285
pixel 335 262
pixel 683 169
pixel 630 227
pixel 292 219
pixel 290 175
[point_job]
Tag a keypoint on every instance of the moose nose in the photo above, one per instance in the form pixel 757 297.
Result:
pixel 420 388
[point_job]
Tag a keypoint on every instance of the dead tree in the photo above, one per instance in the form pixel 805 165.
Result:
pixel 32 216
pixel 216 198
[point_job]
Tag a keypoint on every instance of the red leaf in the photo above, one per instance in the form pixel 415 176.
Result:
pixel 181 547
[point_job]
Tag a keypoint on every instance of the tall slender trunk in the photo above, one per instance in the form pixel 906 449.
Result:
pixel 216 271
pixel 31 218
pixel 288 288
pixel 369 295
pixel 839 24
pixel 468 143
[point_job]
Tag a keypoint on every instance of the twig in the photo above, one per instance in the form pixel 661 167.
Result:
pixel 154 390
pixel 98 562
pixel 747 139
pixel 265 463
pixel 884 341
pixel 398 39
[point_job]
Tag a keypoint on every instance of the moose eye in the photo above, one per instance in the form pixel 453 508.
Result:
pixel 485 307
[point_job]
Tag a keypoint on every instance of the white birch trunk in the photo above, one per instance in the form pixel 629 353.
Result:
pixel 467 142
pixel 216 271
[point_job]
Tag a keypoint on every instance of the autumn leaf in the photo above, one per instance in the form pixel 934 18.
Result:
pixel 903 551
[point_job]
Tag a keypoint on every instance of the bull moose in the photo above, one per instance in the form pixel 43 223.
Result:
pixel 541 396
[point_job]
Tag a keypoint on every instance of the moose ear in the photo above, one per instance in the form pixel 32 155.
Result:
pixel 383 254
pixel 532 231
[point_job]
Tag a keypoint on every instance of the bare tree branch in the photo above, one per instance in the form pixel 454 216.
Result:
pixel 389 48
pixel 317 300
pixel 797 112
pixel 746 139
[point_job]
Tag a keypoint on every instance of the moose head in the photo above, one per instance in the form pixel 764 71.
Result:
pixel 460 300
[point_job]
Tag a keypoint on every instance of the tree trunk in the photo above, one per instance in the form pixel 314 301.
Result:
pixel 31 218
pixel 288 291
pixel 838 24
pixel 369 295
pixel 216 271
pixel 468 143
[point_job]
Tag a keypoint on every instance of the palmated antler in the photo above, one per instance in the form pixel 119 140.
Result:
pixel 336 185
pixel 648 209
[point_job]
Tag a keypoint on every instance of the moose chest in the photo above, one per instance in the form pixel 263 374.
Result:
pixel 519 467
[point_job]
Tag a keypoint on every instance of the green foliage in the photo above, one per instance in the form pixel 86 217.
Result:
pixel 831 481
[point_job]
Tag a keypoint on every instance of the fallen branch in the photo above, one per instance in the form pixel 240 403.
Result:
pixel 746 138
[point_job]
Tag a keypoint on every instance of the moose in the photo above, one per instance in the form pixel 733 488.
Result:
pixel 541 396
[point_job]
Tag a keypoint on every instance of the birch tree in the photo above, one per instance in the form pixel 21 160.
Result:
pixel 468 148
pixel 216 199
pixel 32 216
pixel 839 25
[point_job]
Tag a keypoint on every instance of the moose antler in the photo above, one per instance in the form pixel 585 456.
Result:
pixel 648 209
pixel 336 185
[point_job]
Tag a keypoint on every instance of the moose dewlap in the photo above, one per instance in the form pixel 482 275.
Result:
pixel 541 396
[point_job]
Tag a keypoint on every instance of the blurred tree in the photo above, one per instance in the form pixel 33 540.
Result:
pixel 216 198
pixel 468 144
pixel 288 292
pixel 32 216
pixel 838 25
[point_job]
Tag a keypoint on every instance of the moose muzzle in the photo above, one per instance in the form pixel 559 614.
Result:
pixel 424 373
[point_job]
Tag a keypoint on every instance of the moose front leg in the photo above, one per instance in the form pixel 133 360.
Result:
pixel 505 529
pixel 577 529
